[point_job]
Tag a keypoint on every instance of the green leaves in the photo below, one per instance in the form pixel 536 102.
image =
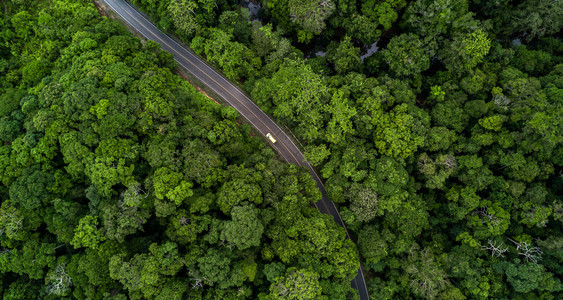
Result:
pixel 340 124
pixel 234 192
pixel 296 284
pixel 235 59
pixel 147 273
pixel 465 52
pixel 30 190
pixel 245 229
pixel 296 94
pixel 310 15
pixel 405 55
pixel 526 277
pixel 86 234
pixel 394 135
pixel 345 56
pixel 169 184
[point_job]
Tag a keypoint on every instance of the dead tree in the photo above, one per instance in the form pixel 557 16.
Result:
pixel 497 248
pixel 532 254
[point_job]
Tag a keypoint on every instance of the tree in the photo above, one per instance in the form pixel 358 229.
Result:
pixel 245 230
pixel 439 138
pixel 394 135
pixel 372 245
pixel 463 201
pixel 296 284
pixel 405 55
pixel 363 203
pixel 465 52
pixel 382 11
pixel 345 56
pixel 433 19
pixel 215 268
pixel 58 281
pixel 120 221
pixel 87 233
pixel 294 93
pixel 237 23
pixel 310 15
pixel 535 19
pixel 235 59
pixel 31 259
pixel 236 191
pixel 359 26
pixel 427 279
pixel 171 186
pixel 316 154
pixel 12 221
pixel 30 190
pixel 184 17
pixel 450 115
pixel 146 272
pixel 527 277
pixel 340 124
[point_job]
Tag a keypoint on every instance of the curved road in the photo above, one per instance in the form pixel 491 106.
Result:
pixel 242 103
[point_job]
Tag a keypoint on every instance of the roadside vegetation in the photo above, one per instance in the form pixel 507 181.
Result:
pixel 118 180
pixel 443 149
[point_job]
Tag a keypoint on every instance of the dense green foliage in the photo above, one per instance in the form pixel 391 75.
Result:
pixel 118 180
pixel 443 150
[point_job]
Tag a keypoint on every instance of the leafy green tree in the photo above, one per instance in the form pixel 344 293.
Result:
pixel 245 230
pixel 299 99
pixel 234 192
pixel 433 19
pixel 382 11
pixel 527 277
pixel 120 221
pixel 216 267
pixel 345 56
pixel 296 284
pixel 310 15
pixel 235 59
pixel 30 190
pixel 87 233
pixel 405 55
pixel 170 185
pixel 146 272
pixel 359 26
pixel 31 259
pixel 535 19
pixel 450 115
pixel 184 17
pixel 340 124
pixel 316 154
pixel 237 23
pixel 372 245
pixel 465 52
pixel 394 133
pixel 440 138
pixel 364 203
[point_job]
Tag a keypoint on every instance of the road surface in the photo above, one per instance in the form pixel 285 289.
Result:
pixel 242 103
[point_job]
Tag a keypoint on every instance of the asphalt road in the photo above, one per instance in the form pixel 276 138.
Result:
pixel 242 103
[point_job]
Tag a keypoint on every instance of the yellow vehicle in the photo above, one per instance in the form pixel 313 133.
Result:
pixel 272 139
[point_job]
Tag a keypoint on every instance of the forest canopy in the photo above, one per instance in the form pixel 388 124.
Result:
pixel 442 150
pixel 119 180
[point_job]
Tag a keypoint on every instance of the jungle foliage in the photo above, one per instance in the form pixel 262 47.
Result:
pixel 442 150
pixel 118 180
